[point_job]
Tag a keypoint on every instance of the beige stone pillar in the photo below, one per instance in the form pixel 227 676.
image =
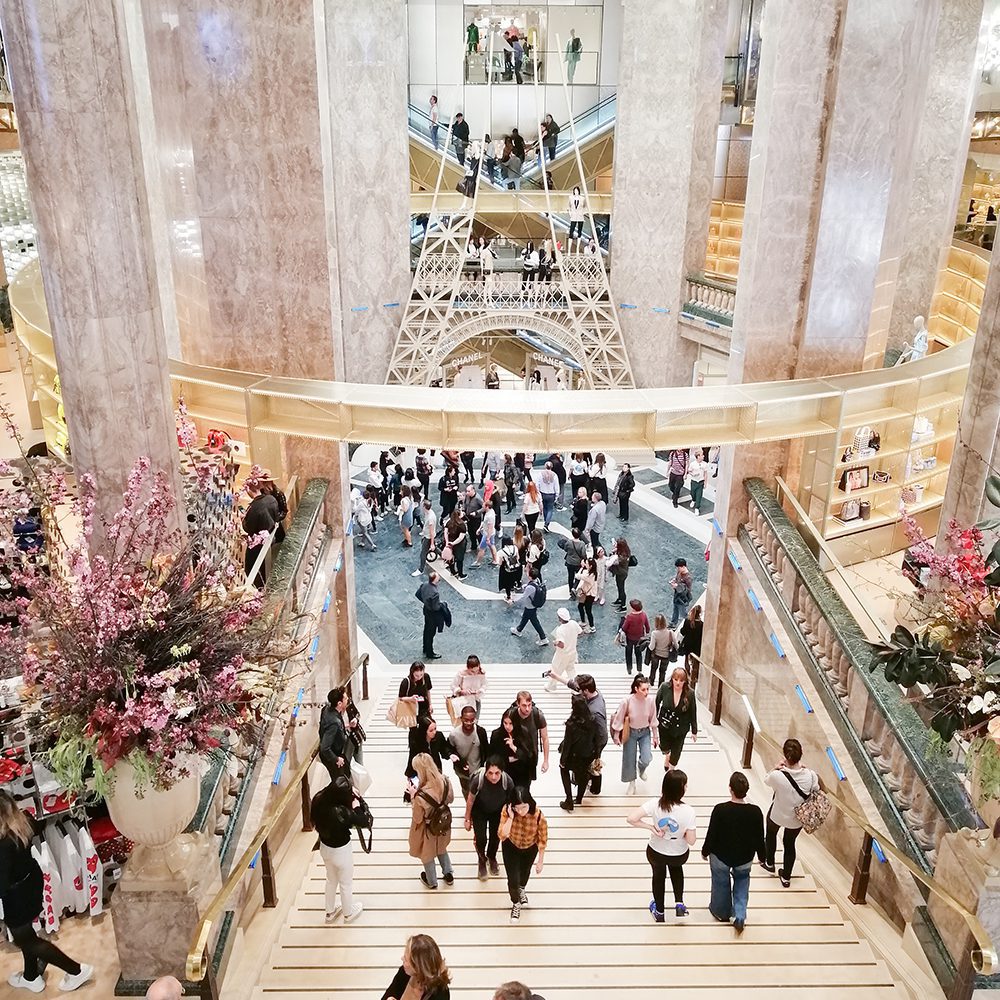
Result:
pixel 976 453
pixel 80 134
pixel 665 139
pixel 923 210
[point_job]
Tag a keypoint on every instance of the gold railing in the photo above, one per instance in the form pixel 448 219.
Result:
pixel 982 956
pixel 199 967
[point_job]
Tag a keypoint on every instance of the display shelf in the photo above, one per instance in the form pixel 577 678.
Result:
pixel 725 235
pixel 939 400
pixel 958 295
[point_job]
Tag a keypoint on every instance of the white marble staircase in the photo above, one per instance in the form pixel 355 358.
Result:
pixel 587 931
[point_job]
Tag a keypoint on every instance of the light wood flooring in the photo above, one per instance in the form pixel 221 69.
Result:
pixel 587 931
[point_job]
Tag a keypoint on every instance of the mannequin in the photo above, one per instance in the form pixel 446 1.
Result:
pixel 472 37
pixel 920 339
pixel 574 47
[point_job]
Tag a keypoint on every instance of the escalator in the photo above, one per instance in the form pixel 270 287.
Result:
pixel 595 131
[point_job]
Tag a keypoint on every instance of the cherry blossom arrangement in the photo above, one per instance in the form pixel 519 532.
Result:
pixel 134 644
pixel 956 652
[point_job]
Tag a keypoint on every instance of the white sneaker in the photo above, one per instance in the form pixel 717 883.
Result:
pixel 356 912
pixel 17 980
pixel 630 790
pixel 71 983
pixel 332 916
pixel 541 642
pixel 514 631
pixel 417 572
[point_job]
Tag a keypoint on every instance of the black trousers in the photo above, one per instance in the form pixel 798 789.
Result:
pixel 661 865
pixel 623 499
pixel 672 742
pixel 571 572
pixel 633 649
pixel 486 828
pixel 676 483
pixel 430 627
pixel 531 520
pixel 470 472
pixel 458 555
pixel 587 605
pixel 569 778
pixel 788 839
pixel 657 663
pixel 35 950
pixel 620 584
pixel 518 862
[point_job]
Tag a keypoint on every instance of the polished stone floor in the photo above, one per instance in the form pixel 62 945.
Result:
pixel 389 613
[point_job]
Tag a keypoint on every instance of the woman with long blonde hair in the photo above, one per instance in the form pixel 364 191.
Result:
pixel 429 791
pixel 21 897
pixel 423 974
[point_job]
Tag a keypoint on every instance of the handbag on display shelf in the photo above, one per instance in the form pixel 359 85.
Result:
pixel 850 510
pixel 922 429
pixel 862 439
pixel 880 477
pixel 908 495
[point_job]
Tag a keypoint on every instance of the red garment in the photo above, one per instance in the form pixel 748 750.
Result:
pixel 636 625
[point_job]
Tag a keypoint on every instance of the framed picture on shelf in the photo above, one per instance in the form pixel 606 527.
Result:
pixel 854 479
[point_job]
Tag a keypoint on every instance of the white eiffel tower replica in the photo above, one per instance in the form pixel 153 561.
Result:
pixel 445 309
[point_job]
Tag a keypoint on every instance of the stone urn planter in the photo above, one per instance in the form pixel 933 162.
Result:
pixel 153 819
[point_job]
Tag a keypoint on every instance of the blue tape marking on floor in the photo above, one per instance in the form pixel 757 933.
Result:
pixel 734 560
pixel 777 645
pixel 359 309
pixel 712 323
pixel 803 698
pixel 340 562
pixel 313 648
pixel 717 526
pixel 661 309
pixel 627 305
pixel 253 864
pixel 280 767
pixel 390 305
pixel 326 603
pixel 688 315
pixel 753 600
pixel 879 853
pixel 837 769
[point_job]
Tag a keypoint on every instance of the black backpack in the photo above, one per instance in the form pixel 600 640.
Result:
pixel 539 596
pixel 543 558
pixel 438 820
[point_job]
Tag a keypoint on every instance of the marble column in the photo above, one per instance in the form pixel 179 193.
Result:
pixel 883 47
pixel 238 124
pixel 362 82
pixel 665 140
pixel 977 452
pixel 922 208
pixel 795 85
pixel 81 137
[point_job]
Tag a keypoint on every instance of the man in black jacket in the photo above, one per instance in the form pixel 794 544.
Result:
pixel 460 136
pixel 261 517
pixel 429 596
pixel 334 744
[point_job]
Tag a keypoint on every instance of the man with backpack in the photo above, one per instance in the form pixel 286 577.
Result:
pixel 532 731
pixel 531 601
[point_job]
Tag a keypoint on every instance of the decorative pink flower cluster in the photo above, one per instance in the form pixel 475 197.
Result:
pixel 135 643
pixel 187 431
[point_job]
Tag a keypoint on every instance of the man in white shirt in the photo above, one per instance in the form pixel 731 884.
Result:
pixel 427 534
pixel 548 487
pixel 565 659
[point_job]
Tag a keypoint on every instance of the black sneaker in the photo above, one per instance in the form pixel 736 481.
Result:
pixel 524 897
pixel 566 804
pixel 494 867
pixel 432 656
pixel 739 925
pixel 449 879
pixel 785 880
pixel 426 881
pixel 482 871
pixel 515 913
pixel 768 867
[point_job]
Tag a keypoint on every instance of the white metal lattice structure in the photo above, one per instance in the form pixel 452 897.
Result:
pixel 575 311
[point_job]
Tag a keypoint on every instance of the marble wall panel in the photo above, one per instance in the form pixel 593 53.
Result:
pixel 663 174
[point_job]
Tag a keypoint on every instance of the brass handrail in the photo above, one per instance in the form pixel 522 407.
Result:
pixel 198 963
pixel 983 956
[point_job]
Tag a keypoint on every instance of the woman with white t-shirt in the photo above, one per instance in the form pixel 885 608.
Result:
pixel 697 471
pixel 672 828
pixel 792 784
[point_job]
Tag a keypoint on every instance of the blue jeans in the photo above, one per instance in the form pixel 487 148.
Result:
pixel 531 615
pixel 681 605
pixel 638 742
pixel 548 507
pixel 730 889
pixel 431 869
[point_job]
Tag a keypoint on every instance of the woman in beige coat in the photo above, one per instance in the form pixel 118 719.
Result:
pixel 430 835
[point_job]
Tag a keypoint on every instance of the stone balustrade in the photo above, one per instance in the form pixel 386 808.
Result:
pixel 710 300
pixel 919 796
